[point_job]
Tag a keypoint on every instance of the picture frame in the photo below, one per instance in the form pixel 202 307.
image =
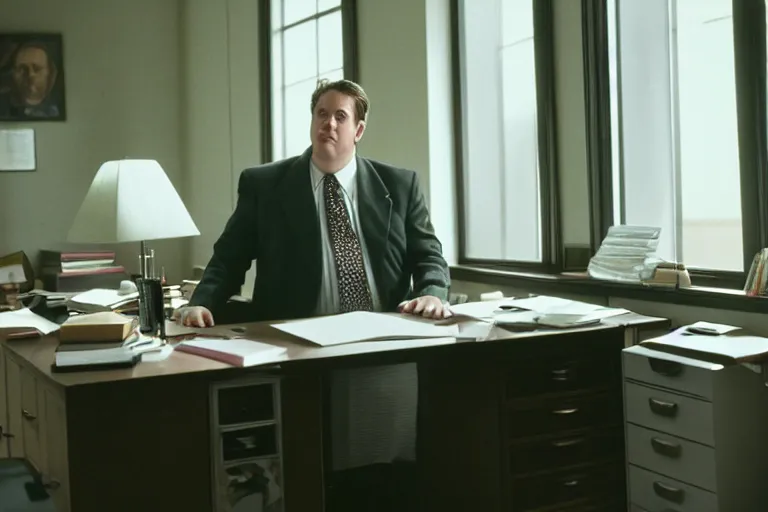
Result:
pixel 32 77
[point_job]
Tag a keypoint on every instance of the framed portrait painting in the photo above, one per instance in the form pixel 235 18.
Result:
pixel 31 77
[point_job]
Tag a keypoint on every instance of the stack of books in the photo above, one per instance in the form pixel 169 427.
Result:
pixel 79 271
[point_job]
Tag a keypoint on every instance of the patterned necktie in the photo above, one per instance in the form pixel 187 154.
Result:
pixel 354 293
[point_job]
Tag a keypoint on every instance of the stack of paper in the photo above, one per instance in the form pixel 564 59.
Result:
pixel 712 342
pixel 24 318
pixel 237 352
pixel 364 326
pixel 627 254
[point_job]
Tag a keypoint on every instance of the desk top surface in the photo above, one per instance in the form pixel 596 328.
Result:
pixel 39 352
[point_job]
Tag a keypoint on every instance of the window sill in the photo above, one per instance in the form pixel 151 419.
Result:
pixel 699 296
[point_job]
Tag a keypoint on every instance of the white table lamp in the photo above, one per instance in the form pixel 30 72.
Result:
pixel 131 201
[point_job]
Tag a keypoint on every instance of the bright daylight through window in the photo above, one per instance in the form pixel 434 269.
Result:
pixel 501 192
pixel 675 137
pixel 307 45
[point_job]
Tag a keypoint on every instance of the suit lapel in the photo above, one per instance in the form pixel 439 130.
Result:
pixel 298 204
pixel 375 208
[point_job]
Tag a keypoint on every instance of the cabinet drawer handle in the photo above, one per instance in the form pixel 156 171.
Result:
pixel 28 415
pixel 564 443
pixel 668 492
pixel 666 368
pixel 663 408
pixel 666 448
pixel 571 483
pixel 566 411
pixel 561 375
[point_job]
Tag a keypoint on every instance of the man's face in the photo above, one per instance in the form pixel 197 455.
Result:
pixel 335 128
pixel 31 74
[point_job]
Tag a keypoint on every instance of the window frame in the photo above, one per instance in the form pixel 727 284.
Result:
pixel 551 235
pixel 351 63
pixel 749 20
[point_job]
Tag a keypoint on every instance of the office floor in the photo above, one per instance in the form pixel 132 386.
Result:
pixel 13 492
pixel 375 488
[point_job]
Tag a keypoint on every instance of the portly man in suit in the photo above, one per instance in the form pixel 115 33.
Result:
pixel 333 232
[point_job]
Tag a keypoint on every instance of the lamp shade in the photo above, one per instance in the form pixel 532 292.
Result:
pixel 131 201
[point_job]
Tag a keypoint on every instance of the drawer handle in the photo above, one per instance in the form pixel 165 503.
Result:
pixel 564 443
pixel 52 485
pixel 28 415
pixel 564 412
pixel 666 448
pixel 663 408
pixel 571 483
pixel 561 375
pixel 668 492
pixel 666 368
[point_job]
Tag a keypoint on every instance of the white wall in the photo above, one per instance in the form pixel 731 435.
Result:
pixel 123 92
pixel 222 111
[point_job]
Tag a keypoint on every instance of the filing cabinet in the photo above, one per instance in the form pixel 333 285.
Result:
pixel 695 434
pixel 246 445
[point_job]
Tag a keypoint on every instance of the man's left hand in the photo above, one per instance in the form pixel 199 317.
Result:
pixel 427 306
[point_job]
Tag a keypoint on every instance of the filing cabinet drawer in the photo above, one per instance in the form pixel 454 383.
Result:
pixel 565 489
pixel 557 375
pixel 565 413
pixel 654 492
pixel 567 449
pixel 246 404
pixel 670 371
pixel 689 462
pixel 681 416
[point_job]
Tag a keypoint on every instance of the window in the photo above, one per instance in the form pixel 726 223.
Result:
pixel 675 130
pixel 504 64
pixel 308 40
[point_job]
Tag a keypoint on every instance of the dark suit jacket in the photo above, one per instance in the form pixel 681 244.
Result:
pixel 276 223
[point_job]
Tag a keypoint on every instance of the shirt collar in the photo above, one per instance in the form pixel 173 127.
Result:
pixel 345 175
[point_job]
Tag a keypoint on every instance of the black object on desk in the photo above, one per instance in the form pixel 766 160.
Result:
pixel 151 307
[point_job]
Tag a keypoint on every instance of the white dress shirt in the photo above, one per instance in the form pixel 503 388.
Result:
pixel 373 409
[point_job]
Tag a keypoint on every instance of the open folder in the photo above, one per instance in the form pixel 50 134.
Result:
pixel 364 326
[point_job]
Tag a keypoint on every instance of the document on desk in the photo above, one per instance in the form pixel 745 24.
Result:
pixel 364 326
pixel 715 348
pixel 24 318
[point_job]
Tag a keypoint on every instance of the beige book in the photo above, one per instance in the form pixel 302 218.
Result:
pixel 105 326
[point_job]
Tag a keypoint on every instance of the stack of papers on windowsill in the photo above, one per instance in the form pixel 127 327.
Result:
pixel 365 326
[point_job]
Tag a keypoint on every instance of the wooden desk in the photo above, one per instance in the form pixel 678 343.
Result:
pixel 528 421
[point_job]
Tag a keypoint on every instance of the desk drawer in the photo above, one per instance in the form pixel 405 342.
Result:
pixel 654 492
pixel 565 489
pixel 571 449
pixel 671 456
pixel 565 413
pixel 670 371
pixel 678 415
pixel 557 375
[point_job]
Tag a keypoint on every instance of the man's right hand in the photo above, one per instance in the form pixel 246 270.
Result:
pixel 193 316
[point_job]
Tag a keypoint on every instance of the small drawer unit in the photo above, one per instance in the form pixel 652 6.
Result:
pixel 246 445
pixel 695 434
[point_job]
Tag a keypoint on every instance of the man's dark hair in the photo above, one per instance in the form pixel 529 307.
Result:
pixel 347 87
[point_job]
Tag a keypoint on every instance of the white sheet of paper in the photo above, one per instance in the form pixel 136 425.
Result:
pixel 481 309
pixel 364 326
pixel 560 306
pixel 735 347
pixel 12 274
pixel 26 318
pixel 17 150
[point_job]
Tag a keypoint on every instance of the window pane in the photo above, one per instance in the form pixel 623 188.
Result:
pixel 330 54
pixel 324 5
pixel 277 96
pixel 295 10
pixel 336 74
pixel 298 117
pixel 501 187
pixel 300 50
pixel 709 157
pixel 678 146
